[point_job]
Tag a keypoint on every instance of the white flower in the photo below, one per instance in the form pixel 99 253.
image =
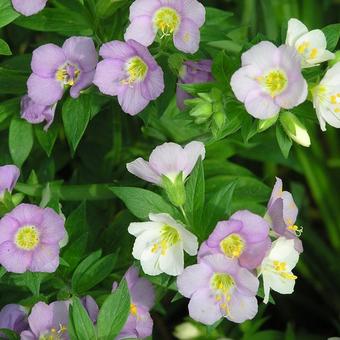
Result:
pixel 276 268
pixel 326 98
pixel 160 243
pixel 310 45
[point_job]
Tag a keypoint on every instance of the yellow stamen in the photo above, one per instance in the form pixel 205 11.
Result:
pixel 274 82
pixel 302 47
pixel 166 20
pixel 137 70
pixel 298 230
pixel 313 53
pixel 281 267
pixel 27 237
pixel 133 309
pixel 169 237
pixel 232 246
pixel 222 284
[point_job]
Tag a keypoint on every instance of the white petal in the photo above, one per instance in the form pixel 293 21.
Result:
pixel 332 76
pixel 266 289
pixel 295 30
pixel 278 283
pixel 190 242
pixel 193 151
pixel 258 55
pixel 150 262
pixel 172 263
pixel 143 170
pixel 162 219
pixel 145 241
pixel 137 228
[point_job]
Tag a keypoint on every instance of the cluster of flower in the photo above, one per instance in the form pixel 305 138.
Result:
pixel 224 283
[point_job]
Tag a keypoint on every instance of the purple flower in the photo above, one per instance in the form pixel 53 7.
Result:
pixel 139 323
pixel 29 239
pixel 29 7
pixel 192 72
pixel 243 237
pixel 9 175
pixel 270 79
pixel 13 317
pixel 55 68
pixel 168 159
pixel 35 113
pixel 47 321
pixel 218 287
pixel 180 18
pixel 91 307
pixel 130 72
pixel 283 212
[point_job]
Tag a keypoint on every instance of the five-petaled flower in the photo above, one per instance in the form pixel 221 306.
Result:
pixel 181 19
pixel 160 244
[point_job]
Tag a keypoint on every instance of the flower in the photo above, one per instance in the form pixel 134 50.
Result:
pixel 47 321
pixel 54 68
pixel 139 323
pixel 180 18
pixel 35 113
pixel 243 237
pixel 218 287
pixel 192 72
pixel 13 317
pixel 168 159
pixel 276 268
pixel 91 307
pixel 160 243
pixel 9 175
pixel 30 7
pixel 310 45
pixel 326 98
pixel 270 78
pixel 29 239
pixel 282 213
pixel 130 72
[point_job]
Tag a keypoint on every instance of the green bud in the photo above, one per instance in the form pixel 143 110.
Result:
pixel 265 124
pixel 295 129
pixel 202 111
pixel 175 190
pixel 336 59
pixel 205 96
pixel 194 101
pixel 219 119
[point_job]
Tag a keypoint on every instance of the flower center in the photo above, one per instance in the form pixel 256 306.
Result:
pixel 335 102
pixel 274 82
pixel 68 74
pixel 55 334
pixel 222 285
pixel 232 246
pixel 27 237
pixel 169 237
pixel 306 51
pixel 136 69
pixel 166 20
pixel 295 229
pixel 133 309
pixel 281 269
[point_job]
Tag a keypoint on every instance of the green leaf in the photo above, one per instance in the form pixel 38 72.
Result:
pixel 20 140
pixel 4 48
pixel 12 81
pixel 142 202
pixel 223 67
pixel 48 138
pixel 7 13
pixel 82 324
pixel 332 33
pixel 10 335
pixel 114 313
pixel 285 143
pixel 9 108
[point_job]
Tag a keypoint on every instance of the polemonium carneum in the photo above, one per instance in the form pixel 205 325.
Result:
pixel 142 294
pixel 282 213
pixel 56 68
pixel 311 45
pixel 29 239
pixel 243 237
pixel 35 113
pixel 270 79
pixel 181 19
pixel 218 287
pixel 160 244
pixel 13 317
pixel 9 175
pixel 130 72
pixel 30 7
pixel 47 322
pixel 91 307
pixel 168 159
pixel 276 268
pixel 192 72
pixel 326 98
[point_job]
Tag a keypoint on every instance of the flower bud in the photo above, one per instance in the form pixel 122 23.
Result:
pixel 175 189
pixel 186 331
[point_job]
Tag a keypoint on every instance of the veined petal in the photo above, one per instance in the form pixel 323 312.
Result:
pixel 150 262
pixel 296 29
pixel 145 242
pixel 153 87
pixel 172 263
pixel 138 228
pixel 193 151
pixel 187 38
pixel 116 50
pixel 143 8
pixel 141 29
pixel 242 308
pixel 195 11
pixel 143 170
pixel 258 55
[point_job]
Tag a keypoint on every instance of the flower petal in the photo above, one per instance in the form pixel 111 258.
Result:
pixel 116 50
pixel 84 81
pixel 8 227
pixel 193 151
pixel 187 38
pixel 13 259
pixel 295 30
pixel 143 170
pixel 143 293
pixel 153 86
pixel 258 55
pixel 28 214
pixel 142 8
pixel 145 241
pixel 195 11
pixel 45 258
pixel 254 253
pixel 28 8
pixel 131 100
pixel 172 263
pixel 150 262
pixel 137 228
pixel 242 308
pixel 40 319
pixel 141 29
pixel 52 227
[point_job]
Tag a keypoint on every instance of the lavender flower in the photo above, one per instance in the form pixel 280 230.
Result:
pixel 91 307
pixel 282 213
pixel 30 7
pixel 35 113
pixel 139 323
pixel 270 79
pixel 29 239
pixel 243 237
pixel 47 321
pixel 218 287
pixel 168 159
pixel 192 72
pixel 180 18
pixel 54 68
pixel 9 175
pixel 130 72
pixel 13 317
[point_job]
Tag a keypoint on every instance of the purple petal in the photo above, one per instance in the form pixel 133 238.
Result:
pixel 276 214
pixel 187 38
pixel 8 226
pixel 45 258
pixel 205 250
pixel 144 324
pixel 221 264
pixel 117 50
pixel 9 175
pixel 143 170
pixel 81 50
pixel 144 53
pixel 290 210
pixel 142 7
pixel 254 253
pixel 222 230
pixel 242 308
pixel 44 91
pixel 40 319
pixel 52 227
pixel 277 191
pixel 60 313
pixel 143 293
pixel 28 214
pixel 181 96
pixel 247 282
pixel 27 335
pixel 13 317
pixel 84 81
pixel 153 86
pixel 46 60
pixel 13 259
pixel 30 7
pixel 141 29
pixel 258 55
pixel 91 307
pixel 195 11
pixel 193 151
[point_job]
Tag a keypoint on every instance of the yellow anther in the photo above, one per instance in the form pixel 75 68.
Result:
pixel 136 69
pixel 133 309
pixel 333 99
pixel 288 276
pixel 279 266
pixel 166 20
pixel 313 53
pixel 27 237
pixel 298 230
pixel 302 47
pixel 232 246
pixel 169 237
pixel 274 82
pixel 337 110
